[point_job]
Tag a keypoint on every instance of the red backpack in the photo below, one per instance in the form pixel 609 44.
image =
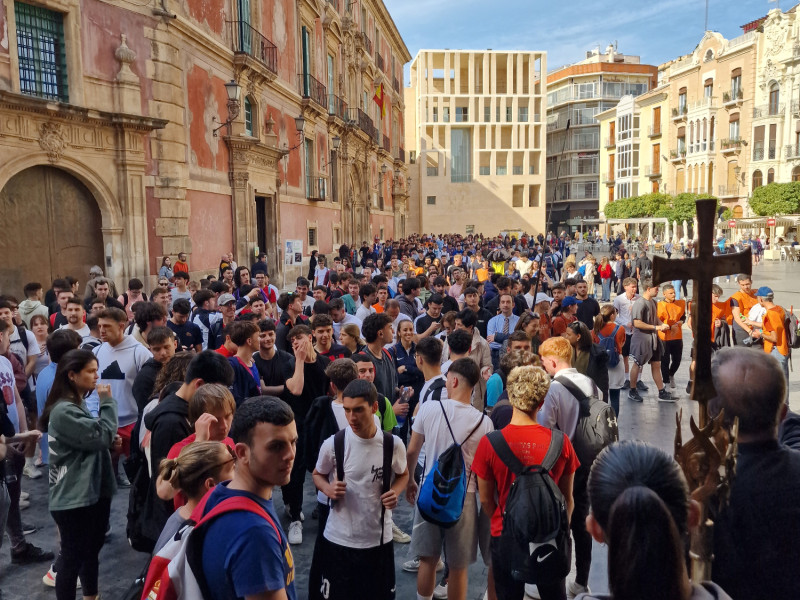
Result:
pixel 173 571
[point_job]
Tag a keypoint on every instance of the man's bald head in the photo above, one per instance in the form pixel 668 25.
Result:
pixel 750 385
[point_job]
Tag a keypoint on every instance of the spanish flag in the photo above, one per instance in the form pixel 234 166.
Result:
pixel 378 97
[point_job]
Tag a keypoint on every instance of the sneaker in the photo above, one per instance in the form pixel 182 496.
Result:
pixel 625 386
pixel 122 481
pixel 665 396
pixel 412 566
pixel 29 553
pixel 635 396
pixel 440 593
pixel 49 579
pixel 400 536
pixel 29 529
pixel 295 533
pixel 641 387
pixel 672 383
pixel 24 496
pixel 31 472
pixel 574 588
pixel 23 504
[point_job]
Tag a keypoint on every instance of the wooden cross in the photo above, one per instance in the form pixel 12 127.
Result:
pixel 702 269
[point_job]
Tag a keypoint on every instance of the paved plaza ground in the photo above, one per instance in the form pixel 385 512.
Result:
pixel 651 421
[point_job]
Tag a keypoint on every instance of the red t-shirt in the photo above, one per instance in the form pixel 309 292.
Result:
pixel 180 499
pixel 224 351
pixel 529 443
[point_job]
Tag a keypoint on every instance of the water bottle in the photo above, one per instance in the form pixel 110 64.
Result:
pixel 405 395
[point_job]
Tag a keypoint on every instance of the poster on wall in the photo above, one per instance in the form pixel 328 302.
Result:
pixel 293 252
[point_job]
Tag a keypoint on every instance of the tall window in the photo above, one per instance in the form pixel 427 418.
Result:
pixel 758 179
pixel 774 98
pixel 770 176
pixel 708 90
pixel 736 86
pixel 42 52
pixel 733 130
pixel 248 117
pixel 682 103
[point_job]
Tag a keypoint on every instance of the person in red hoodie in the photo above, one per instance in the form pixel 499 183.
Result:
pixel 606 274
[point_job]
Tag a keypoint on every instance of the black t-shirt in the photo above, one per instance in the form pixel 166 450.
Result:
pixel 188 334
pixel 337 351
pixel 484 316
pixel 587 311
pixel 425 321
pixel 315 384
pixel 276 370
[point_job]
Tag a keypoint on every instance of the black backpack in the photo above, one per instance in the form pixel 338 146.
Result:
pixel 597 424
pixel 434 392
pixel 535 543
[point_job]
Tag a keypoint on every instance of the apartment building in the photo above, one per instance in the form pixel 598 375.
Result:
pixel 775 152
pixel 132 132
pixel 632 158
pixel 575 95
pixel 711 101
pixel 475 137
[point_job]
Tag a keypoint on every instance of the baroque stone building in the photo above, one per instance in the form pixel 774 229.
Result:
pixel 119 144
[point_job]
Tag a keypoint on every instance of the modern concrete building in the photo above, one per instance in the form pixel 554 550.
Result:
pixel 474 130
pixel 632 156
pixel 576 94
pixel 711 95
pixel 124 140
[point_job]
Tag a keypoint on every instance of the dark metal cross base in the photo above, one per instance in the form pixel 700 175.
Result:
pixel 702 271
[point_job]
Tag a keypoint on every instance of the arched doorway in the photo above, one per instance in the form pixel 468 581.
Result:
pixel 52 228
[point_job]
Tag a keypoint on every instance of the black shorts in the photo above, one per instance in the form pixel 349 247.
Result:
pixel 626 347
pixel 342 573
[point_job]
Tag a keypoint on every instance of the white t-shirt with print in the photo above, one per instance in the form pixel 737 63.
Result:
pixel 17 347
pixel 353 520
pixel 463 418
pixel 7 395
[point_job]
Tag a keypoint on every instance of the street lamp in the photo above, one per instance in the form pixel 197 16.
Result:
pixel 299 125
pixel 336 141
pixel 234 92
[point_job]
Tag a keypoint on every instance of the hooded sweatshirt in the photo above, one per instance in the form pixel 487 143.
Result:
pixel 30 307
pixel 118 367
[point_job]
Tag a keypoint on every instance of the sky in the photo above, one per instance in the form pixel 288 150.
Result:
pixel 656 30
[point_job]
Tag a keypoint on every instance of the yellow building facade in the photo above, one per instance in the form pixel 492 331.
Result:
pixel 475 136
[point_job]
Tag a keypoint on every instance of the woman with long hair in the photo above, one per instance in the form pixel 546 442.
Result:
pixel 350 336
pixel 640 507
pixel 605 327
pixel 241 277
pixel 166 269
pixel 82 480
pixel 606 273
pixel 589 359
pixel 404 353
pixel 197 469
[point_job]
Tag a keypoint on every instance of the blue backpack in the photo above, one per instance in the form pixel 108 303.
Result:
pixel 441 497
pixel 609 345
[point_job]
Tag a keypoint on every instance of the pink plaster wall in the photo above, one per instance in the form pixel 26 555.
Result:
pixel 204 91
pixel 209 228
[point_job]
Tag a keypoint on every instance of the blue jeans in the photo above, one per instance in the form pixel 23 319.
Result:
pixel 606 290
pixel 783 361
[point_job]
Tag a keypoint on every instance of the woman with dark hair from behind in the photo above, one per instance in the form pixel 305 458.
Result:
pixel 590 359
pixel 642 510
pixel 82 480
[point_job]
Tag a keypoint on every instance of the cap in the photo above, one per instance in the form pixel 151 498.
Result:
pixel 764 292
pixel 542 297
pixel 225 299
pixel 569 301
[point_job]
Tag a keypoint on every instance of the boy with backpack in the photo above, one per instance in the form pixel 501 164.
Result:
pixel 450 430
pixel 363 471
pixel 523 470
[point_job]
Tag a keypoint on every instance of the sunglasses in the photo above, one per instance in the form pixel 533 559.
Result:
pixel 164 283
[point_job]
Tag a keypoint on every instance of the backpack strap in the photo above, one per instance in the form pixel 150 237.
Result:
pixel 572 388
pixel 338 453
pixel 504 453
pixel 474 429
pixel 388 453
pixel 553 450
pixel 446 420
pixel 23 336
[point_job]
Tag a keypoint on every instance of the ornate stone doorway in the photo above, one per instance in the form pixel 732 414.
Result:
pixel 51 228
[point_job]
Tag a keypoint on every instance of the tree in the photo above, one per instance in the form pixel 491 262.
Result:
pixel 776 199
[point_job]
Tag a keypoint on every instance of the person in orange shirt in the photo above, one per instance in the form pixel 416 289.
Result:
pixel 720 312
pixel 383 296
pixel 776 342
pixel 673 313
pixel 741 303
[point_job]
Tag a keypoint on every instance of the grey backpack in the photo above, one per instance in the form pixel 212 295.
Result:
pixel 597 424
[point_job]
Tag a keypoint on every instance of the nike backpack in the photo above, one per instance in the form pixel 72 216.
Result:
pixel 535 543
pixel 443 491
pixel 597 424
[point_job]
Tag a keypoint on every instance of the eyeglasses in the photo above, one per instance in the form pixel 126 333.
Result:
pixel 163 283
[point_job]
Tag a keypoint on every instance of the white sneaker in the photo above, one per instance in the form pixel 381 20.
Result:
pixel 24 496
pixel 440 593
pixel 31 472
pixel 412 566
pixel 23 504
pixel 672 383
pixel 295 533
pixel 399 536
pixel 574 588
pixel 531 591
pixel 289 514
pixel 49 579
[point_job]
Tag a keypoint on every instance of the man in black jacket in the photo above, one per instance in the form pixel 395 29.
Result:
pixel 169 423
pixel 163 344
pixel 755 536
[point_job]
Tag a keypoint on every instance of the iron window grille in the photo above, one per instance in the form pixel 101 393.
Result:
pixel 42 52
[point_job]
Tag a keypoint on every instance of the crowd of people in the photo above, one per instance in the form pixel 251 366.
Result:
pixel 371 375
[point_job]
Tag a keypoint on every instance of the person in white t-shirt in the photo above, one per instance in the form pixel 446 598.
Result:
pixel 367 295
pixel 432 427
pixel 76 319
pixel 26 350
pixel 350 560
